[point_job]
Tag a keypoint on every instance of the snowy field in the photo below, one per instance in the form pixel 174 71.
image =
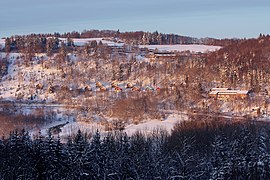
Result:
pixel 146 127
pixel 83 41
pixel 179 47
pixel 151 125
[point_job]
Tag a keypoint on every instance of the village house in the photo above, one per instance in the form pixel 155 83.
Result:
pixel 228 94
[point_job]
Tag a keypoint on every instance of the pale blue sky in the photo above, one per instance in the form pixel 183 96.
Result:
pixel 197 18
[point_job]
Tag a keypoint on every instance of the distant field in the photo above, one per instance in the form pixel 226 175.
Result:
pixel 83 41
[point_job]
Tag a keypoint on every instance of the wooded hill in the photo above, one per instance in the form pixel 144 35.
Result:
pixel 243 63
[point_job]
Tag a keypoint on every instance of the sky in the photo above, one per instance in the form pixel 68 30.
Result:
pixel 196 18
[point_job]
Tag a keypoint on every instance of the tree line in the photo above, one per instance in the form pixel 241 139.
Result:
pixel 35 44
pixel 41 42
pixel 197 149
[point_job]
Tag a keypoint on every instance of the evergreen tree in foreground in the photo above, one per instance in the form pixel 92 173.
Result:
pixel 234 150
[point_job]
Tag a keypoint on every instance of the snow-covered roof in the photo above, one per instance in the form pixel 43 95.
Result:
pixel 213 92
pixel 220 92
pixel 219 89
pixel 242 92
pixel 165 55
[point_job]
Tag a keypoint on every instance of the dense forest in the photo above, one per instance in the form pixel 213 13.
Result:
pixel 197 149
pixel 243 63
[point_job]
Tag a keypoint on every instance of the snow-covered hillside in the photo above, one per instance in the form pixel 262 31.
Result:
pixel 21 81
pixel 66 88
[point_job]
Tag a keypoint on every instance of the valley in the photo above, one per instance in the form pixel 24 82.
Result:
pixel 116 83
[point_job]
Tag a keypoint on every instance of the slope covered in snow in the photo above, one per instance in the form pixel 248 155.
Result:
pixel 152 125
pixel 21 81
pixel 45 80
pixel 146 127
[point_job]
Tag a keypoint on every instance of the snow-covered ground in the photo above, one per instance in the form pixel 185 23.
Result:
pixel 72 128
pixel 151 125
pixel 83 41
pixel 22 80
pixel 179 47
pixel 61 119
pixel 146 127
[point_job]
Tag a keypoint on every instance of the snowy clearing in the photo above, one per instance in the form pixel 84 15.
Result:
pixel 83 41
pixel 179 47
pixel 146 127
pixel 151 125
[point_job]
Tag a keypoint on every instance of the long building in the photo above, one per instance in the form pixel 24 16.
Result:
pixel 227 94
